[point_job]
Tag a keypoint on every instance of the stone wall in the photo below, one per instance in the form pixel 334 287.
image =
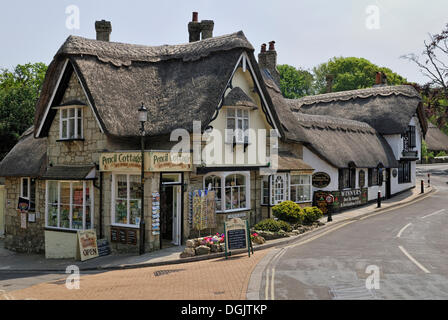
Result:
pixel 31 239
pixel 82 152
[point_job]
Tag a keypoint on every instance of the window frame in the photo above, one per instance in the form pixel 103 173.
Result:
pixel 128 199
pixel 232 134
pixel 85 185
pixel 309 185
pixel 30 191
pixel 344 174
pixel 269 180
pixel 79 132
pixel 223 187
pixel 404 172
pixel 371 175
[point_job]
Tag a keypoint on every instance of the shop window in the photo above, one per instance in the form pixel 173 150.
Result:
pixel 300 188
pixel 347 178
pixel 231 190
pixel 28 191
pixel 373 177
pixel 279 187
pixel 71 123
pixel 126 199
pixel 237 125
pixel 69 205
pixel 404 172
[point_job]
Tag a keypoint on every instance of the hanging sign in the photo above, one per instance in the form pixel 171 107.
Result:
pixel 321 180
pixel 88 247
pixel 23 205
pixel 121 161
pixel 168 161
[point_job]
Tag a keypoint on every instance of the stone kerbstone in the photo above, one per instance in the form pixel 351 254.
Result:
pixel 201 250
pixel 188 252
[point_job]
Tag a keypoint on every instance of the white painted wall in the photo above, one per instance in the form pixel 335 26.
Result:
pixel 320 165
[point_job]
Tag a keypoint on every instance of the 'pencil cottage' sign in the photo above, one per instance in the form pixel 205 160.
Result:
pixel 125 161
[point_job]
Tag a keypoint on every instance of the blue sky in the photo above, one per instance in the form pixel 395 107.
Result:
pixel 307 32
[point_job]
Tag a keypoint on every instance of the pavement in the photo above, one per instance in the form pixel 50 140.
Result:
pixel 18 262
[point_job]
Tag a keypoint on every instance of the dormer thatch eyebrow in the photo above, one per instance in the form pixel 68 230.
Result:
pixel 238 98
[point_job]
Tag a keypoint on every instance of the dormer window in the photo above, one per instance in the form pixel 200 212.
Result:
pixel 70 125
pixel 237 125
pixel 409 139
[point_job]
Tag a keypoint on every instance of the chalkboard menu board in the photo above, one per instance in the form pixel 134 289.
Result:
pixel 237 239
pixel 236 235
pixel 123 235
pixel 103 247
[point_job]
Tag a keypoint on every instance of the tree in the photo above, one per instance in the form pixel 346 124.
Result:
pixel 295 83
pixel 19 91
pixel 351 73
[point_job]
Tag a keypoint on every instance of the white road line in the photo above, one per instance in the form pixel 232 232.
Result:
pixel 272 284
pixel 266 289
pixel 434 213
pixel 402 229
pixel 413 260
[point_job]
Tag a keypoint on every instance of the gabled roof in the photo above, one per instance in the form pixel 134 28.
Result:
pixel 27 158
pixel 388 109
pixel 435 139
pixel 177 83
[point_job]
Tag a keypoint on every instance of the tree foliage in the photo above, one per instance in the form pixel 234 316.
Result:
pixel 295 83
pixel 19 91
pixel 351 73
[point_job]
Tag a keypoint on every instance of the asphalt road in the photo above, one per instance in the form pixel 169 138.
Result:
pixel 399 254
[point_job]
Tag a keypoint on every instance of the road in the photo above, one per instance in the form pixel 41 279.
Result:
pixel 398 254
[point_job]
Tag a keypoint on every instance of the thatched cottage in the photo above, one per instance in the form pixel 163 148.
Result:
pixel 436 140
pixel 80 165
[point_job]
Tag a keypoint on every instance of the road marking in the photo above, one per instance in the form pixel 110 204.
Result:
pixel 272 284
pixel 434 213
pixel 266 289
pixel 402 229
pixel 413 260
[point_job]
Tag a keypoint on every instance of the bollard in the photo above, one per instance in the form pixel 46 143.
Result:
pixel 329 218
pixel 429 179
pixel 379 199
pixel 422 184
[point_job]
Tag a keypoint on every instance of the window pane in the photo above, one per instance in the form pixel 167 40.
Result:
pixel 79 133
pixel 77 202
pixel 121 211
pixel 52 205
pixel 65 205
pixel 64 113
pixel 32 194
pixel 228 198
pixel 240 180
pixel 135 206
pixel 230 113
pixel 64 129
pixel 135 190
pixel 242 197
pixel 71 133
pixel 88 208
pixel 239 113
pixel 122 187
pixel 79 112
pixel 71 113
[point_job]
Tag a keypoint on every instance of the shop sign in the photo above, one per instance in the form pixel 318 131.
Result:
pixel 169 161
pixel 88 247
pixel 125 161
pixel 23 205
pixel 321 180
pixel 354 197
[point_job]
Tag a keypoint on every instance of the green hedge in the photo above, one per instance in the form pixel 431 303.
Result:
pixel 312 214
pixel 273 225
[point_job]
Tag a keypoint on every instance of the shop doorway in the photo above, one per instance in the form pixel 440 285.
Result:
pixel 171 210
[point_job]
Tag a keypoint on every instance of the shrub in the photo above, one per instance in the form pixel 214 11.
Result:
pixel 288 211
pixel 273 225
pixel 312 214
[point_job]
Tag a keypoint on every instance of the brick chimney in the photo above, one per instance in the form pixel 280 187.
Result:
pixel 268 60
pixel 103 30
pixel 380 79
pixel 194 28
pixel 207 29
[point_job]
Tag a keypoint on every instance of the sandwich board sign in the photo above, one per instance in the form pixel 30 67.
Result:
pixel 88 247
pixel 237 236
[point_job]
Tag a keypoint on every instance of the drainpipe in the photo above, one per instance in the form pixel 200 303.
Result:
pixel 101 205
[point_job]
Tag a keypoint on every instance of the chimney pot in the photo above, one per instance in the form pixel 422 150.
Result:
pixel 378 78
pixel 271 45
pixel 263 47
pixel 103 30
pixel 195 17
pixel 329 78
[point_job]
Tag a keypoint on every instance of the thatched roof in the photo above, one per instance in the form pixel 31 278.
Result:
pixel 339 141
pixel 237 97
pixel 289 161
pixel 177 83
pixel 388 109
pixel 435 139
pixel 69 173
pixel 27 158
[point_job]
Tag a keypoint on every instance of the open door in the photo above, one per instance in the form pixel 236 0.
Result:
pixel 388 183
pixel 171 209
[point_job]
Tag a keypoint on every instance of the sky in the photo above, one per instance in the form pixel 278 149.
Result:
pixel 306 32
